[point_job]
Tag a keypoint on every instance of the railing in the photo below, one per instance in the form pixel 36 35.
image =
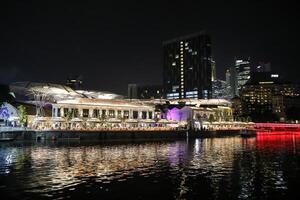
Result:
pixel 277 127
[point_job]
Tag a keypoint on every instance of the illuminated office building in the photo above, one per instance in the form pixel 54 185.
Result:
pixel 187 70
pixel 257 95
pixel 240 74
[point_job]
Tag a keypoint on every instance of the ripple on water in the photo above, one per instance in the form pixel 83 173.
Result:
pixel 213 166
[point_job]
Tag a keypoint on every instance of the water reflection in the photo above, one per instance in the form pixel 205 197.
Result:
pixel 216 168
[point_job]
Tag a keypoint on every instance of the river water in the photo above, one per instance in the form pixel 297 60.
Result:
pixel 265 167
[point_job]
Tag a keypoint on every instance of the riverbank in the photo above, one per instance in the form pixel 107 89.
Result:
pixel 110 135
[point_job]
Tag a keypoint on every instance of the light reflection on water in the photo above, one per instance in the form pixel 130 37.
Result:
pixel 213 168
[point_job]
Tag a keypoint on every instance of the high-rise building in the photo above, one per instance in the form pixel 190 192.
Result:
pixel 187 67
pixel 240 74
pixel 132 91
pixel 220 90
pixel 213 70
pixel 258 93
pixel 150 92
pixel 233 82
pixel 243 70
pixel 263 67
pixel 227 75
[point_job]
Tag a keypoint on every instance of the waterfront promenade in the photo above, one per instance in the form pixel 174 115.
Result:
pixel 102 134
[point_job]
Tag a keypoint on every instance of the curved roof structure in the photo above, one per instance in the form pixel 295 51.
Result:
pixel 50 92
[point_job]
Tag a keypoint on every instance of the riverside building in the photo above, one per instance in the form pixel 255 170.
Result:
pixel 58 107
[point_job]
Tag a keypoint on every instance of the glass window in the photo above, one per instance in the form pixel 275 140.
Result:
pixel 144 115
pixel 150 115
pixel 126 114
pixel 66 111
pixel 95 113
pixel 135 114
pixel 75 112
pixel 111 113
pixel 119 114
pixel 58 112
pixel 103 114
pixel 85 113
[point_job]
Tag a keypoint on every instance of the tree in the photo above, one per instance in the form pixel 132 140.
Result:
pixel 22 115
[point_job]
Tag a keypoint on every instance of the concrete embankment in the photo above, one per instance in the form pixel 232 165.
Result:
pixel 111 135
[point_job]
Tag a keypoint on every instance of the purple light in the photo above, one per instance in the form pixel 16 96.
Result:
pixel 178 114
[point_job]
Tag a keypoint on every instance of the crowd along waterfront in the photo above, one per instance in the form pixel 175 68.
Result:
pixel 262 167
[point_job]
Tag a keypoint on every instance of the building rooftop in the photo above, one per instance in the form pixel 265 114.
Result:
pixel 55 92
pixel 184 37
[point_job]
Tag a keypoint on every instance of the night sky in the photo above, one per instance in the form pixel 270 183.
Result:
pixel 113 43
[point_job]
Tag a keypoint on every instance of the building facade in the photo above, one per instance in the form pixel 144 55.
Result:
pixel 150 92
pixel 187 70
pixel 240 74
pixel 257 96
pixel 220 90
pixel 132 91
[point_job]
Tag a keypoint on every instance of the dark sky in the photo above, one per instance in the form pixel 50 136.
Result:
pixel 113 43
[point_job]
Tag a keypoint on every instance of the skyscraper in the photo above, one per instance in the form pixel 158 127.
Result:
pixel 187 69
pixel 240 74
pixel 263 67
pixel 132 91
pixel 213 70
pixel 243 70
pixel 227 77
